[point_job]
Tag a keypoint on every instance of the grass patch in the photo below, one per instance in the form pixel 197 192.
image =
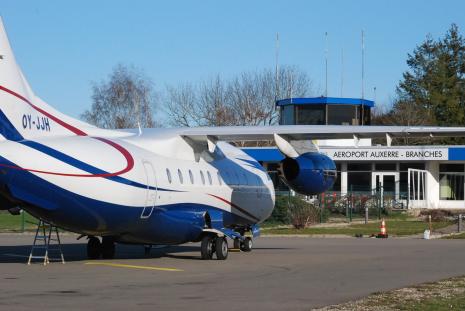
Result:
pixel 437 304
pixel 454 237
pixel 394 227
pixel 12 223
pixel 447 294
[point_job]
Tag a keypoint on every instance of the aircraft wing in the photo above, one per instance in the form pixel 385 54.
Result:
pixel 310 132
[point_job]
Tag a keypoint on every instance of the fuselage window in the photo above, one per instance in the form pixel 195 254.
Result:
pixel 219 179
pixel 168 174
pixel 202 178
pixel 191 176
pixel 181 180
pixel 209 178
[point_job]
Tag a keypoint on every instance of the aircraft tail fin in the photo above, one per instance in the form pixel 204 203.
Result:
pixel 22 114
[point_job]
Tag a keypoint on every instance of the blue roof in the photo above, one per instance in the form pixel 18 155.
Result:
pixel 325 101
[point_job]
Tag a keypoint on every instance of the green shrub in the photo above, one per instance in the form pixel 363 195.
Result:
pixel 294 210
pixel 281 211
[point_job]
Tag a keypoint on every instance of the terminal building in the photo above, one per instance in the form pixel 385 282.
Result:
pixel 413 176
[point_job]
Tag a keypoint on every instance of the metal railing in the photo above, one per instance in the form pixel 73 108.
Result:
pixel 365 204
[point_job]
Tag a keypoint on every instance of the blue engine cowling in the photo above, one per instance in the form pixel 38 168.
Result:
pixel 310 173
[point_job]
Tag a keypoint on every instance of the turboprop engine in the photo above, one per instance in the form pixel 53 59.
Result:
pixel 310 173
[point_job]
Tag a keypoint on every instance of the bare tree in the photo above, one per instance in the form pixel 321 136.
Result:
pixel 181 106
pixel 213 104
pixel 248 99
pixel 124 101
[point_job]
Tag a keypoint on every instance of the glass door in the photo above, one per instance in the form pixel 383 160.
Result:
pixel 386 186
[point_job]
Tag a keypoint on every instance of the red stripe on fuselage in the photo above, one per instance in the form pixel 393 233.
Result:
pixel 243 211
pixel 75 130
pixel 69 127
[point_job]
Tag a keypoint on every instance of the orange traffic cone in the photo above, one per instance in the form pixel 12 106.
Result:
pixel 382 232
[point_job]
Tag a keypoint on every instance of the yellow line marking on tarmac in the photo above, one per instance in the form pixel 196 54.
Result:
pixel 234 250
pixel 119 265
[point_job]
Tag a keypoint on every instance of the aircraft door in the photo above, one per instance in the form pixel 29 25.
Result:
pixel 151 192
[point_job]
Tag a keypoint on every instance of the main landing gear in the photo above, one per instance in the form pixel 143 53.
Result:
pixel 217 245
pixel 97 249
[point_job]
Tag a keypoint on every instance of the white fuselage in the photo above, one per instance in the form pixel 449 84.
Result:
pixel 148 174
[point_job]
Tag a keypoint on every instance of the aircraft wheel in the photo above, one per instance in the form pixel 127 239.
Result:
pixel 108 247
pixel 206 247
pixel 93 248
pixel 246 246
pixel 237 244
pixel 221 245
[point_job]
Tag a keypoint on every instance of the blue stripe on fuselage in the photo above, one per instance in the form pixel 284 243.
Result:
pixel 169 224
pixel 8 130
pixel 84 166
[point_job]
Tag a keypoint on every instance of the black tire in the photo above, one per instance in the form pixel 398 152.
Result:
pixel 246 246
pixel 221 246
pixel 94 248
pixel 108 247
pixel 206 247
pixel 237 244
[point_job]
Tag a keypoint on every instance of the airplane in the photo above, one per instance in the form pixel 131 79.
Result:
pixel 153 186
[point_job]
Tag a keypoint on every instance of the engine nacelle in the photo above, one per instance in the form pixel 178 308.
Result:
pixel 310 173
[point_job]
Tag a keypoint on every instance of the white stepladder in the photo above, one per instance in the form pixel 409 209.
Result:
pixel 44 233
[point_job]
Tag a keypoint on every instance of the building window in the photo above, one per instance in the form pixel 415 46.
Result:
pixel 359 177
pixel 343 115
pixel 311 115
pixel 272 172
pixel 385 166
pixel 451 181
pixel 359 167
pixel 287 115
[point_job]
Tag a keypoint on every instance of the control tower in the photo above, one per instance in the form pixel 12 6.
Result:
pixel 325 111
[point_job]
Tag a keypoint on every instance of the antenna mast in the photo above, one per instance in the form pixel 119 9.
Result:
pixel 326 64
pixel 277 68
pixel 363 65
pixel 342 71
pixel 363 77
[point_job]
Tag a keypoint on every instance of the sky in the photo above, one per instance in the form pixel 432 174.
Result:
pixel 65 46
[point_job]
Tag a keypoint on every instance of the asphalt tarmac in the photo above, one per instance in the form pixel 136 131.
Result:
pixel 279 274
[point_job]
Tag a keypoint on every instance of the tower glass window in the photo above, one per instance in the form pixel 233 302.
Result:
pixel 310 114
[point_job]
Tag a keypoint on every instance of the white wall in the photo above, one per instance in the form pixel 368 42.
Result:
pixel 432 184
